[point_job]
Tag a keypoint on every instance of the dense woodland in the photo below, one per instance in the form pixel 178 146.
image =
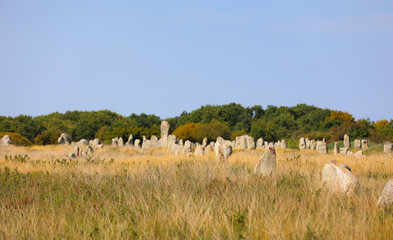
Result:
pixel 231 120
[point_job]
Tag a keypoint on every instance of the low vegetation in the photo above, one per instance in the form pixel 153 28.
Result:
pixel 120 193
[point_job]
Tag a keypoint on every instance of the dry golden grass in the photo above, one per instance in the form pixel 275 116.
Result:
pixel 120 193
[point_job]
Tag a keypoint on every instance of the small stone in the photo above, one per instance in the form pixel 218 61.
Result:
pixel 5 140
pixel 357 143
pixel 387 147
pixel 302 143
pixel 364 144
pixel 336 149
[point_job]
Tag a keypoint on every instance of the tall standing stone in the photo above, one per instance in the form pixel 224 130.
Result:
pixel 336 149
pixel 387 147
pixel 347 143
pixel 338 177
pixel 137 143
pixel 322 147
pixel 259 143
pixel 284 144
pixel 164 128
pixel 187 147
pixel 313 144
pixel 267 164
pixel 308 143
pixel 120 142
pixel 364 144
pixel 130 141
pixel 357 143
pixel 302 143
pixel 204 142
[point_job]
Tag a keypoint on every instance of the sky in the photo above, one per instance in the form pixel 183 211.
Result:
pixel 166 57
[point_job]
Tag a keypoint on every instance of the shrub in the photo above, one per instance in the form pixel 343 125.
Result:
pixel 17 139
pixel 47 137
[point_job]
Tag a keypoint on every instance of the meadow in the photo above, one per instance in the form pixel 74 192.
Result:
pixel 122 193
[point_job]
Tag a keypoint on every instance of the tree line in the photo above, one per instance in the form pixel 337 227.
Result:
pixel 230 120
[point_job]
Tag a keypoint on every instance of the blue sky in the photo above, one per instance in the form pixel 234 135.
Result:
pixel 164 57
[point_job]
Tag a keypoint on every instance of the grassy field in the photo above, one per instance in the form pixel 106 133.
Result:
pixel 123 194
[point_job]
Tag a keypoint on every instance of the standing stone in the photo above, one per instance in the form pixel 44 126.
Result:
pixel 364 144
pixel 347 143
pixel 338 177
pixel 302 143
pixel 115 141
pixel 284 144
pixel 336 149
pixel 204 142
pixel 181 142
pixel 313 144
pixel 259 143
pixel 344 151
pixel 83 142
pixel 77 150
pixel 271 145
pixel 265 144
pixel 171 140
pixel 322 147
pixel 120 142
pixel 358 153
pixel 96 142
pixel 187 147
pixel 164 128
pixel 5 141
pixel 154 141
pixel 356 143
pixel 130 141
pixel 89 150
pixel 137 143
pixel 199 151
pixel 250 142
pixel 267 164
pixel 308 143
pixel 242 142
pixel 146 144
pixel 386 196
pixel 144 138
pixel 63 139
pixel 387 147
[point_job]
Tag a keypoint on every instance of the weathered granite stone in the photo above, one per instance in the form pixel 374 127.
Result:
pixel 267 164
pixel 63 139
pixel 336 149
pixel 130 141
pixel 338 177
pixel 347 142
pixel 164 128
pixel 302 143
pixel 313 144
pixel 386 197
pixel 322 147
pixel 358 153
pixel 83 142
pixel 199 150
pixel 137 143
pixel 5 140
pixel 284 144
pixel 259 143
pixel 364 144
pixel 387 147
pixel 357 143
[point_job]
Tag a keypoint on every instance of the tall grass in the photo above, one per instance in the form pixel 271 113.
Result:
pixel 124 194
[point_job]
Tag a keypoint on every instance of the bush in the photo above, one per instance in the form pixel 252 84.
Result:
pixel 47 137
pixel 196 132
pixel 17 139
